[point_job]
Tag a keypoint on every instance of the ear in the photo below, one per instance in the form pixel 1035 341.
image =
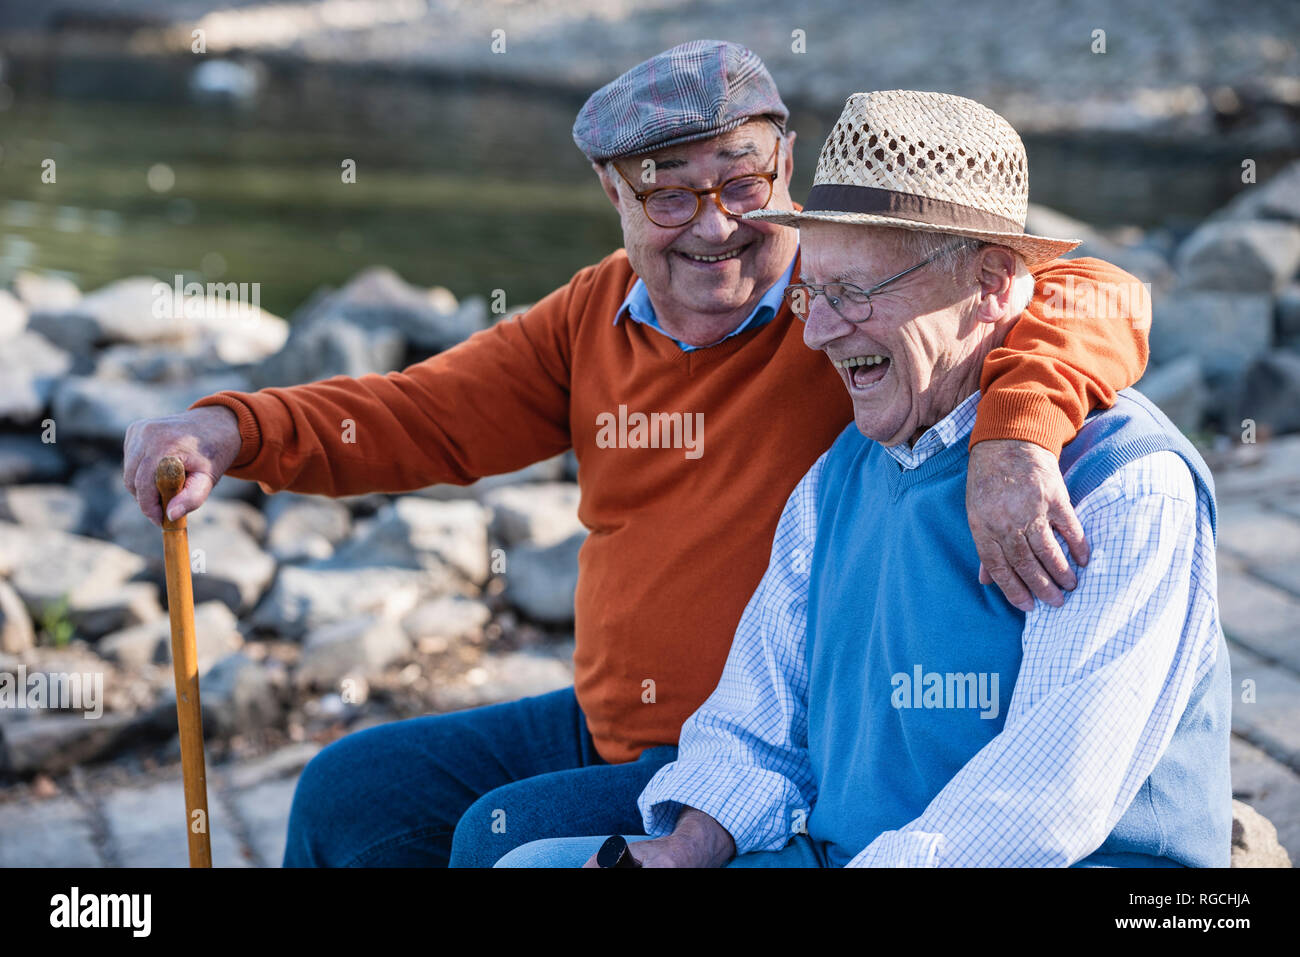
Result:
pixel 787 174
pixel 608 185
pixel 995 268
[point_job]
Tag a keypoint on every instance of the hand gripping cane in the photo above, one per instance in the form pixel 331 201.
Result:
pixel 169 478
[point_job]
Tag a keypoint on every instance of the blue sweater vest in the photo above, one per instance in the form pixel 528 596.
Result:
pixel 894 596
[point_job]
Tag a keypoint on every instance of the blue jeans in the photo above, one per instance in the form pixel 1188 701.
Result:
pixel 462 789
pixel 802 851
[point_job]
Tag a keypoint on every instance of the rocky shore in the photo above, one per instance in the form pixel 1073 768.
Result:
pixel 318 616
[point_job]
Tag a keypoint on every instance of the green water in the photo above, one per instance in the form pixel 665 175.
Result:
pixel 267 197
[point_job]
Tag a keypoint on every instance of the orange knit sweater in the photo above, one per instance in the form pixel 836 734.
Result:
pixel 679 533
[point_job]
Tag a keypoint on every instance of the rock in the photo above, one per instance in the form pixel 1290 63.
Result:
pixel 134 603
pixel 1179 390
pixel 1145 262
pixel 13 317
pixel 328 348
pixel 237 696
pixel 542 513
pixel 1288 316
pixel 45 292
pixel 305 597
pixel 415 533
pixel 52 565
pixel 30 365
pixel 1254 839
pixel 216 634
pixel 305 527
pixel 1239 256
pixel 152 364
pixel 55 743
pixel 226 561
pixel 44 506
pixel 541 582
pixel 1226 331
pixel 122 311
pixel 16 631
pixel 25 458
pixel 1272 392
pixel 506 677
pixel 360 647
pixel 1278 198
pixel 228 565
pixel 378 298
pixel 450 617
pixel 92 408
pixel 249 336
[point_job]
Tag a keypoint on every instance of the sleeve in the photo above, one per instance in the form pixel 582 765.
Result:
pixel 494 403
pixel 743 755
pixel 1083 337
pixel 1102 685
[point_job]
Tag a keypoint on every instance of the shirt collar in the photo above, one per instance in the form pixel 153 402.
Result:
pixel 637 304
pixel 952 428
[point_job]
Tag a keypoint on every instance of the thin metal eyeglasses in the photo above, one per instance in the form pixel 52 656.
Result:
pixel 847 299
pixel 672 206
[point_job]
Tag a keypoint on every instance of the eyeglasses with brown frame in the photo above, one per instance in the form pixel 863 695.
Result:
pixel 670 207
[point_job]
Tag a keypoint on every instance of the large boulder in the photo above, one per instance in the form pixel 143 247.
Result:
pixel 1272 392
pixel 327 348
pixel 45 292
pixel 26 458
pixel 446 619
pixel 305 597
pixel 412 532
pixel 305 527
pixel 1254 839
pixel 1225 330
pixel 124 311
pixel 93 408
pixel 30 365
pixel 541 581
pixel 44 506
pixel 357 647
pixel 378 298
pixel 1247 256
pixel 1276 198
pixel 55 743
pixel 540 513
pixel 216 634
pixel 50 566
pixel 1178 388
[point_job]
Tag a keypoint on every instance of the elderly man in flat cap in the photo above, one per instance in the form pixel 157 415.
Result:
pixel 862 721
pixel 678 376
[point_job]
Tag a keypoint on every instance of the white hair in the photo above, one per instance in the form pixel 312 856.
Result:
pixel 955 255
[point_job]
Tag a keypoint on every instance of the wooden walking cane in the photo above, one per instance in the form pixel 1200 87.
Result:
pixel 170 478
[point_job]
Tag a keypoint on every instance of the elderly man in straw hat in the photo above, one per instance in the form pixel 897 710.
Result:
pixel 860 721
pixel 684 326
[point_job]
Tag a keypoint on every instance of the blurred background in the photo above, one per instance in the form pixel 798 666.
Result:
pixel 143 140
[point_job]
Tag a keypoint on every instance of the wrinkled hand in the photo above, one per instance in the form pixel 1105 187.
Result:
pixel 206 440
pixel 1015 497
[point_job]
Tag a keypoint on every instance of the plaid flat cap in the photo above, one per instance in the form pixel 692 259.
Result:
pixel 691 92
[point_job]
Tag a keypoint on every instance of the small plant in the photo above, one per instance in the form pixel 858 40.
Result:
pixel 56 624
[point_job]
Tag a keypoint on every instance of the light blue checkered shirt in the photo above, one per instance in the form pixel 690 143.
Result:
pixel 637 304
pixel 1041 792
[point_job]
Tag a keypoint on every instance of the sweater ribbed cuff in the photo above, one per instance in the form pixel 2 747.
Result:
pixel 250 436
pixel 1024 415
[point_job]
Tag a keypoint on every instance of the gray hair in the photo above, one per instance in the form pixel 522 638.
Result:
pixel 955 254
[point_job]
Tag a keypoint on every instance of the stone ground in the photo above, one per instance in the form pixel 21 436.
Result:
pixel 92 821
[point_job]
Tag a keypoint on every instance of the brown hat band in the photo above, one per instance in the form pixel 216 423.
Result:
pixel 919 209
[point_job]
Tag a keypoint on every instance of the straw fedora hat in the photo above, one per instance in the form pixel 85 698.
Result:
pixel 924 161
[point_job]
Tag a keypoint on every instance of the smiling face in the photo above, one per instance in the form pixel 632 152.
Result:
pixel 920 353
pixel 704 278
